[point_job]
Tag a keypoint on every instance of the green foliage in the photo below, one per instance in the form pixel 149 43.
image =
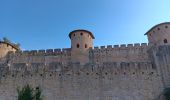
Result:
pixel 28 93
pixel 6 40
pixel 17 45
pixel 37 95
pixel 167 93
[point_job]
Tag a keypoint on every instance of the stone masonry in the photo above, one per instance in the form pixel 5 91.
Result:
pixel 84 72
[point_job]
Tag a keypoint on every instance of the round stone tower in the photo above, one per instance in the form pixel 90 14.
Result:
pixel 5 47
pixel 159 34
pixel 81 41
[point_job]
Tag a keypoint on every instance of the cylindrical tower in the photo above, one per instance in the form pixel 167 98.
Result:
pixel 5 48
pixel 81 41
pixel 159 34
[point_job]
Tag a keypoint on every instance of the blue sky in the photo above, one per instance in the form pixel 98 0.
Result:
pixel 44 24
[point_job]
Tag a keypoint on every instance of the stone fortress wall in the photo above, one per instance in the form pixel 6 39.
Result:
pixel 41 56
pixel 119 72
pixel 123 53
pixel 107 81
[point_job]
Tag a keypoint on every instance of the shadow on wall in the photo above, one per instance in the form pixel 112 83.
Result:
pixel 167 93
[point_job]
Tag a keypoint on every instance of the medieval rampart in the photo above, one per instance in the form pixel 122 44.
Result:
pixel 123 53
pixel 41 56
pixel 120 53
pixel 107 81
pixel 119 72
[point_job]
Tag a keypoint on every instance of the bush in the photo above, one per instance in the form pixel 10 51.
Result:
pixel 28 93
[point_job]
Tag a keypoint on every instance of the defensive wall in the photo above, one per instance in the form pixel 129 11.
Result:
pixel 83 72
pixel 107 81
pixel 53 71
pixel 116 53
pixel 121 53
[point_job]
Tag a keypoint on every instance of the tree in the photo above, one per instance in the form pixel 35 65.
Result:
pixel 16 45
pixel 6 40
pixel 37 95
pixel 28 93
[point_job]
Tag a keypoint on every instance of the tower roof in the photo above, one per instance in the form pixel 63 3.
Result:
pixel 156 26
pixel 91 34
pixel 12 45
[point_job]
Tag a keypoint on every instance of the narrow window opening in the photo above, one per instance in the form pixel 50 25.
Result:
pixel 37 88
pixel 81 34
pixel 85 45
pixel 74 35
pixel 78 73
pixel 166 26
pixel 78 45
pixel 165 41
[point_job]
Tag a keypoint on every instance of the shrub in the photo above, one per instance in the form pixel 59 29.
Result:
pixel 28 93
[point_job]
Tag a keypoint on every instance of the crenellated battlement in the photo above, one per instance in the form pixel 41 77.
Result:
pixel 64 51
pixel 123 46
pixel 121 53
pixel 109 53
pixel 68 50
pixel 138 71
